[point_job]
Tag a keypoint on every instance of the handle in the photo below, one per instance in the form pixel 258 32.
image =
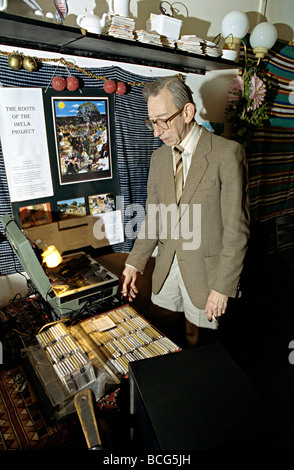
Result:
pixel 79 19
pixel 163 10
pixel 111 7
pixel 84 404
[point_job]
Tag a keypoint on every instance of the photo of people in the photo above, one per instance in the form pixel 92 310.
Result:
pixel 72 208
pixel 101 204
pixel 31 216
pixel 82 139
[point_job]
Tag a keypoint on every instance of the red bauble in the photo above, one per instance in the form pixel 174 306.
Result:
pixel 121 88
pixel 109 86
pixel 72 83
pixel 59 83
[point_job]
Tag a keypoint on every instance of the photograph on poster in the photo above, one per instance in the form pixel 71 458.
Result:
pixel 101 203
pixel 33 215
pixel 82 138
pixel 69 208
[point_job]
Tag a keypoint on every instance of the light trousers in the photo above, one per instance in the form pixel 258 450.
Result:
pixel 174 296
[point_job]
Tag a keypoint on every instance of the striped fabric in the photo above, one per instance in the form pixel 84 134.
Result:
pixel 134 141
pixel 271 173
pixel 271 154
pixel 281 70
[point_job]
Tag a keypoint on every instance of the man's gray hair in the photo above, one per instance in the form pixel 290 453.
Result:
pixel 180 92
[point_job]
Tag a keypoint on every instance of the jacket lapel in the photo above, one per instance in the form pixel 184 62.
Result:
pixel 198 166
pixel 166 175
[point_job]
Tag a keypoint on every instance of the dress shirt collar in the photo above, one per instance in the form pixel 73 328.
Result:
pixel 189 143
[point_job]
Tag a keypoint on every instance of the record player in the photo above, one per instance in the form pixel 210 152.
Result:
pixel 78 281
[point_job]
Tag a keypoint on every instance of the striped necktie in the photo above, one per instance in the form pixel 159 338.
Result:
pixel 178 172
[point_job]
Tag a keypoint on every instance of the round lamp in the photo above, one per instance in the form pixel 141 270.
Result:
pixel 51 257
pixel 234 27
pixel 262 38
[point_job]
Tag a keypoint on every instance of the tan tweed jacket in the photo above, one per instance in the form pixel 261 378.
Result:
pixel 210 230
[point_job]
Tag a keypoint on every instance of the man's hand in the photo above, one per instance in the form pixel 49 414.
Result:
pixel 129 288
pixel 216 305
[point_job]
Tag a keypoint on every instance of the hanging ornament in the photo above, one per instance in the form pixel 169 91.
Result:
pixel 110 86
pixel 15 61
pixel 72 83
pixel 29 64
pixel 121 88
pixel 59 83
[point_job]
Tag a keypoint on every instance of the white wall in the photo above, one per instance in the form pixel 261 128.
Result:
pixel 204 19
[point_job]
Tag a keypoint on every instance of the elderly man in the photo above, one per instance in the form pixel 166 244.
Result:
pixel 196 213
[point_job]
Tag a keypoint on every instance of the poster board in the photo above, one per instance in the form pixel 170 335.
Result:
pixel 79 170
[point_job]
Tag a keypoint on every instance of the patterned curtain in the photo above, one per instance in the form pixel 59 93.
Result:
pixel 271 155
pixel 134 141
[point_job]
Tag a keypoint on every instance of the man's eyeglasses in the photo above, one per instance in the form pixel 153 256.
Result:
pixel 162 123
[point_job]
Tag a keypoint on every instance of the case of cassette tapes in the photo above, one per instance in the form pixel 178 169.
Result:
pixel 72 366
pixel 119 337
pixel 94 353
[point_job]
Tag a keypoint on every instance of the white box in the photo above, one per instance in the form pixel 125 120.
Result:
pixel 165 26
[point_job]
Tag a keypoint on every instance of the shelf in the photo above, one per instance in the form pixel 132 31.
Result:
pixel 40 35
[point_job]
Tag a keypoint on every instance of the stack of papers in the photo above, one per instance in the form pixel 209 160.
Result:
pixel 120 27
pixel 154 38
pixel 212 49
pixel 168 42
pixel 191 43
pixel 124 28
pixel 148 38
pixel 196 45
